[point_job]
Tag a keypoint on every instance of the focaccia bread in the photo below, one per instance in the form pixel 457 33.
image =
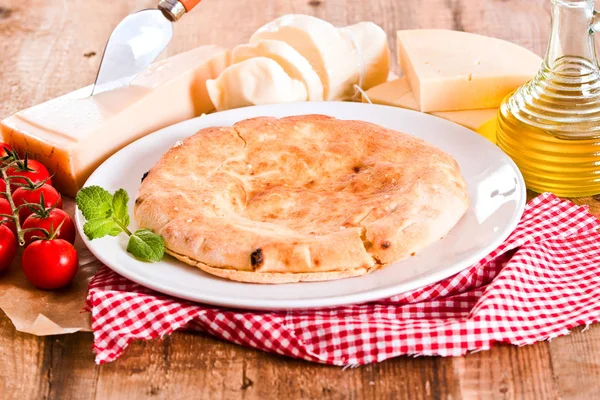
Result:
pixel 301 198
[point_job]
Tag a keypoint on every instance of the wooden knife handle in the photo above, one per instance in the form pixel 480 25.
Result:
pixel 189 4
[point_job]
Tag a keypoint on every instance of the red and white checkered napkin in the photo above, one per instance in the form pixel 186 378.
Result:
pixel 543 281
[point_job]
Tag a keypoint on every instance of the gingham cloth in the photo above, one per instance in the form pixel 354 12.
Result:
pixel 543 281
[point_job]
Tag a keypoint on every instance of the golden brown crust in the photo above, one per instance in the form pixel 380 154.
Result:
pixel 273 277
pixel 300 198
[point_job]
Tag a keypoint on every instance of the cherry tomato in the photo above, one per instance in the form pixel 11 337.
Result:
pixel 32 169
pixel 50 264
pixel 50 221
pixel 2 188
pixel 25 194
pixel 5 209
pixel 8 247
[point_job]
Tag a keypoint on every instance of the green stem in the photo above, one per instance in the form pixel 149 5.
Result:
pixel 42 230
pixel 127 231
pixel 15 210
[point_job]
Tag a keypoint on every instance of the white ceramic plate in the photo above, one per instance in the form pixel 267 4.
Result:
pixel 495 185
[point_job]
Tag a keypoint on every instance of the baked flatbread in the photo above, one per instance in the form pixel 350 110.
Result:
pixel 301 198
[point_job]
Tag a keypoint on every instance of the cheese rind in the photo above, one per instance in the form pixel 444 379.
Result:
pixel 397 93
pixel 293 63
pixel 452 70
pixel 333 57
pixel 254 81
pixel 73 134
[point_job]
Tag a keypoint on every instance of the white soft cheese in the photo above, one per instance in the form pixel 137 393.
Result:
pixel 293 63
pixel 333 57
pixel 254 81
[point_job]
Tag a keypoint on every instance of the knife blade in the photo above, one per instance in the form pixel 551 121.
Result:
pixel 136 42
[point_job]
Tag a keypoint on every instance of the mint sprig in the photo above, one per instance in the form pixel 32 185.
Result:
pixel 106 214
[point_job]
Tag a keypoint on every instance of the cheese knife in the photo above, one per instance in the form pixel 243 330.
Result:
pixel 137 41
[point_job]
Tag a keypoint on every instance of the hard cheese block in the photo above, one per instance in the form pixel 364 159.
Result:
pixel 73 134
pixel 397 93
pixel 451 70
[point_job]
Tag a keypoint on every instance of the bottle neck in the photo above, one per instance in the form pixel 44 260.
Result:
pixel 571 35
pixel 564 97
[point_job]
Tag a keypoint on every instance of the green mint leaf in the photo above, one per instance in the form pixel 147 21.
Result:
pixel 94 202
pixel 97 228
pixel 107 214
pixel 146 245
pixel 119 204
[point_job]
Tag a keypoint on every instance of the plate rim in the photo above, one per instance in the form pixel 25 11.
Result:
pixel 324 301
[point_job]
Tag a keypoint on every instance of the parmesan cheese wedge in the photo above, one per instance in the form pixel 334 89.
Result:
pixel 293 63
pixel 74 133
pixel 333 57
pixel 254 81
pixel 451 70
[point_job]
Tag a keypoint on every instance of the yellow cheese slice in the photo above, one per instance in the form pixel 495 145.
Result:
pixel 373 52
pixel 489 129
pixel 397 93
pixel 74 133
pixel 472 119
pixel 294 64
pixel 333 57
pixel 451 70
pixel 254 81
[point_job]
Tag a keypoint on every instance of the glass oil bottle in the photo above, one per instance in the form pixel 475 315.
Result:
pixel 550 126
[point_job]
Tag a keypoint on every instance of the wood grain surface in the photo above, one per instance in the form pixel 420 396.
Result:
pixel 50 47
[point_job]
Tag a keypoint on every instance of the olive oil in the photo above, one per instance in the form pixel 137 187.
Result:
pixel 550 126
pixel 566 167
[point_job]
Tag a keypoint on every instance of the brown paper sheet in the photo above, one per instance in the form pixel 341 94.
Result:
pixel 41 312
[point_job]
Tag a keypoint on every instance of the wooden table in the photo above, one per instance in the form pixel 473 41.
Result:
pixel 50 47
